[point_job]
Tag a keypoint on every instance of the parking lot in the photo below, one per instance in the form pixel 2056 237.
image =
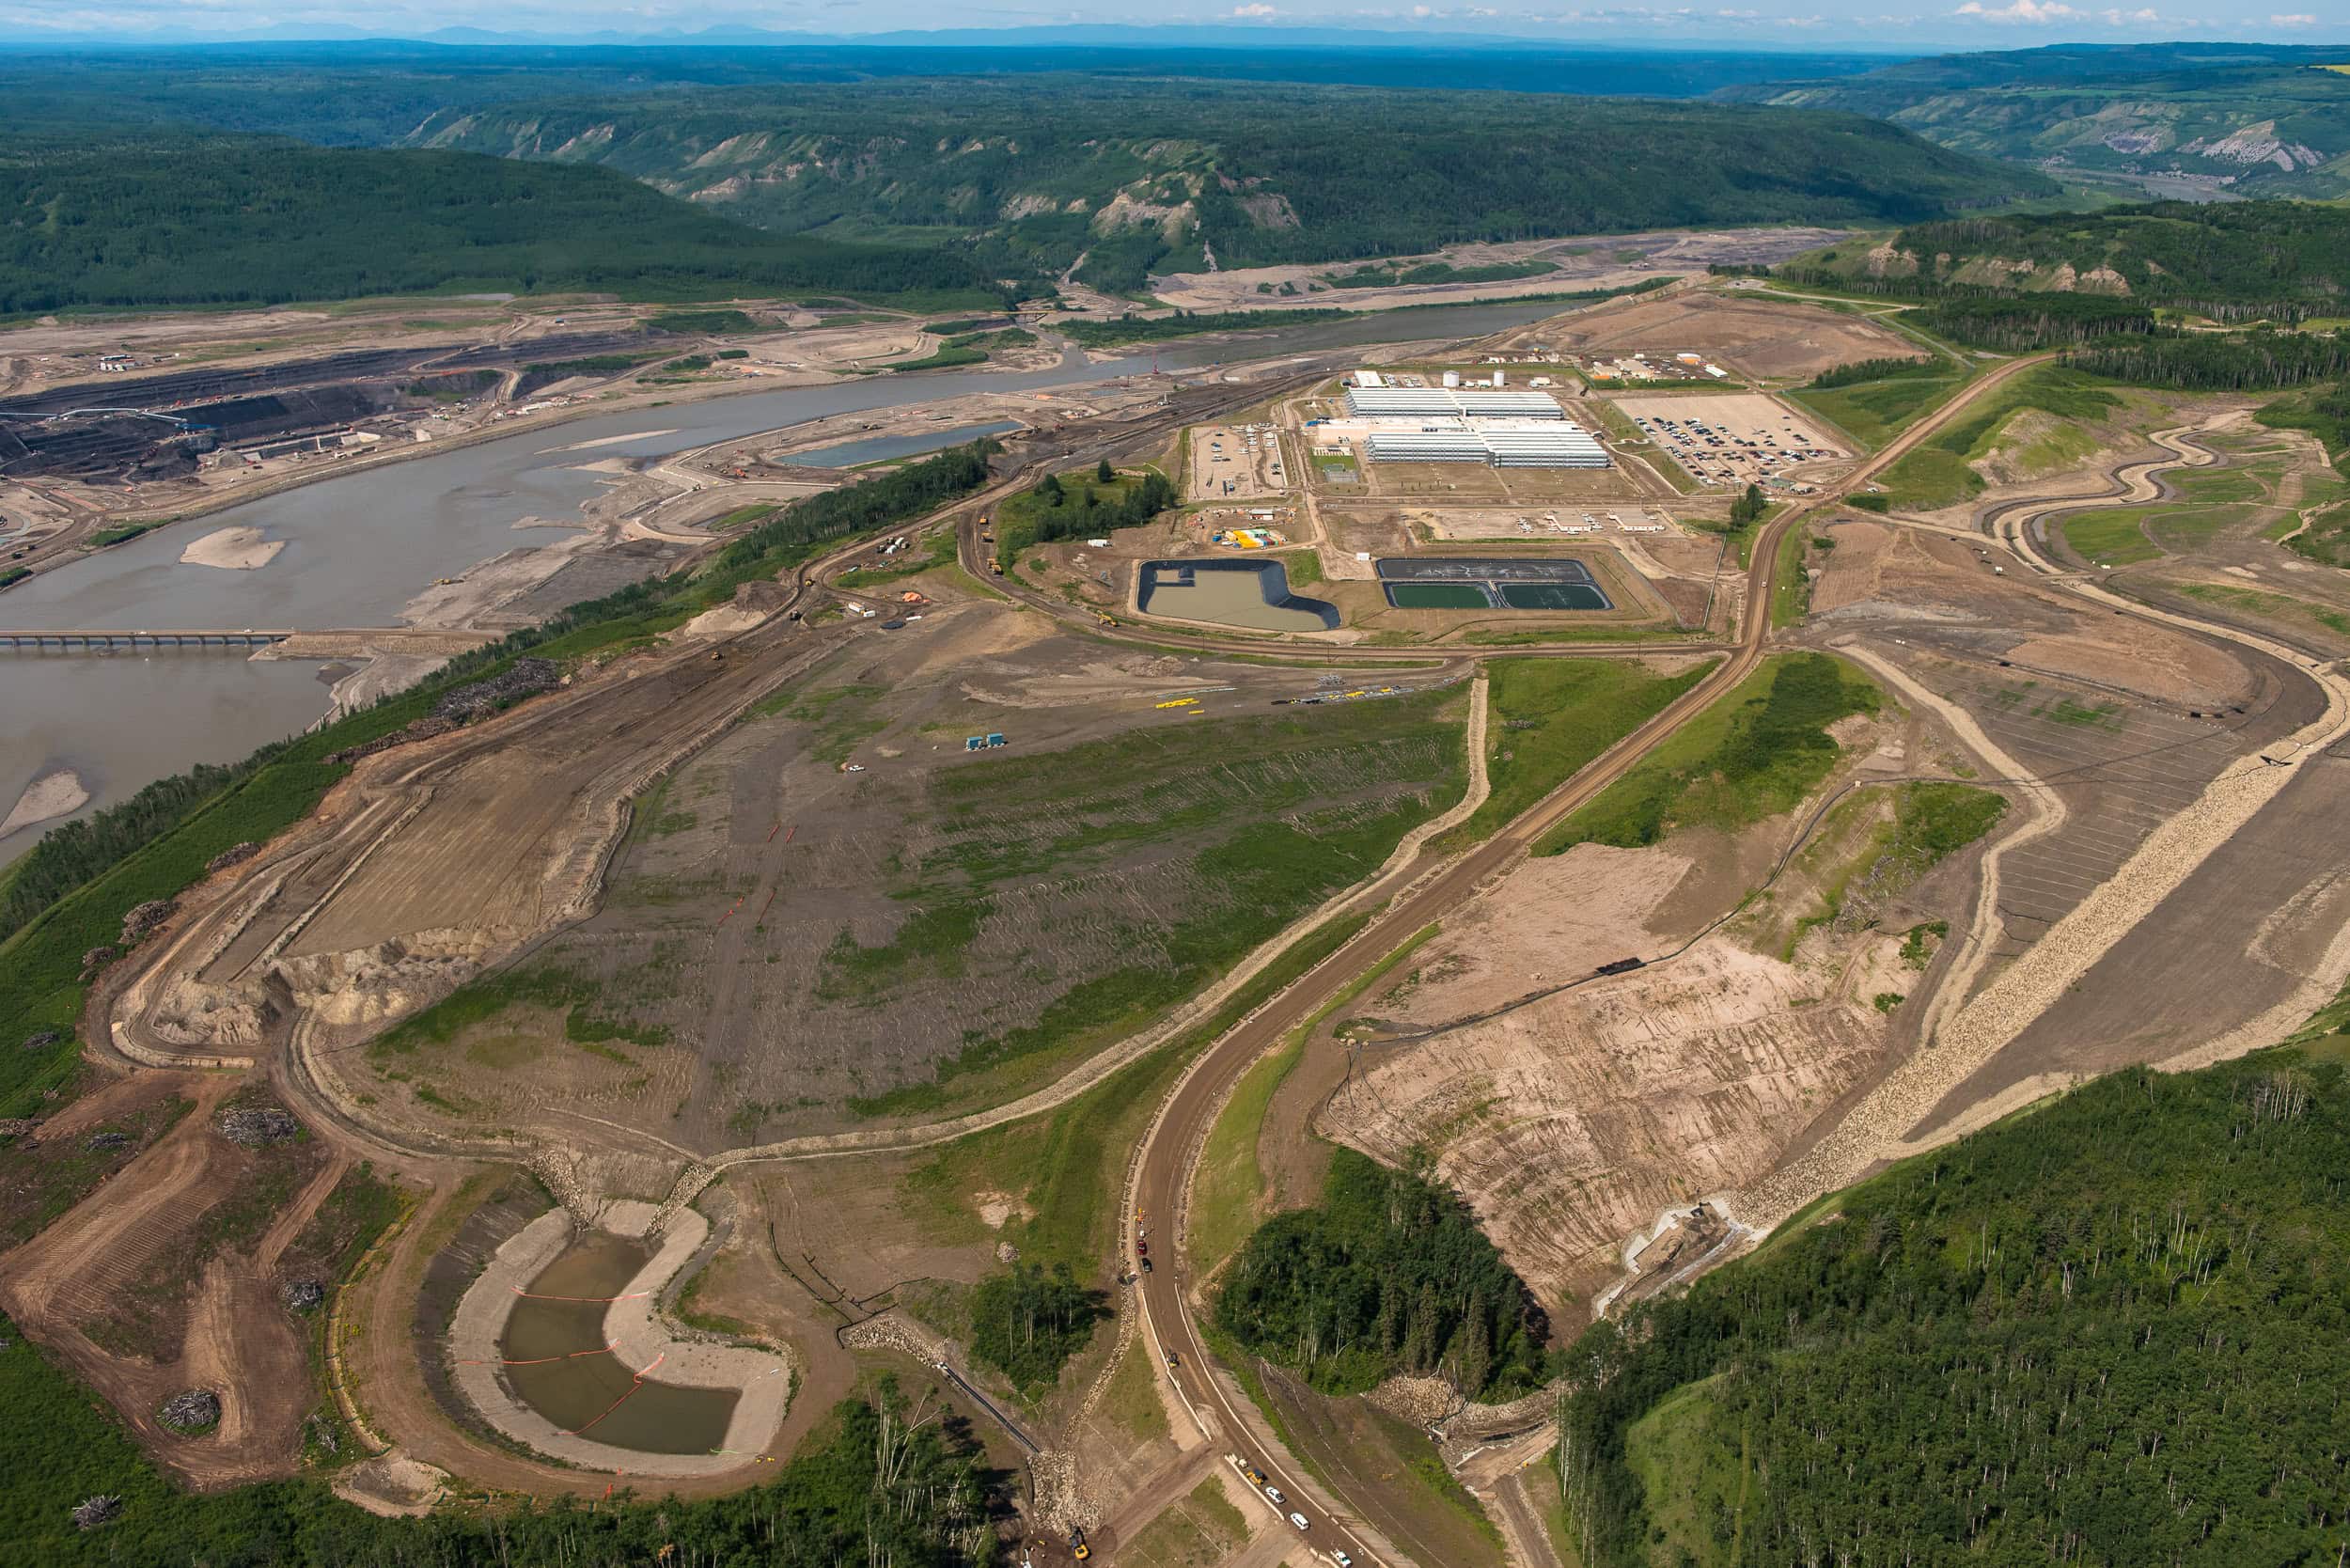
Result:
pixel 1731 439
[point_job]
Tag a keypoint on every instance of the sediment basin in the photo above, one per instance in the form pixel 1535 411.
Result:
pixel 560 1346
pixel 561 1365
pixel 1255 594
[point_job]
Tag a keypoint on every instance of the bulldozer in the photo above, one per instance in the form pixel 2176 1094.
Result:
pixel 1104 619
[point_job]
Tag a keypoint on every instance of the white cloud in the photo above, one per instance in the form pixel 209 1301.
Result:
pixel 2298 19
pixel 1256 11
pixel 2129 18
pixel 2020 10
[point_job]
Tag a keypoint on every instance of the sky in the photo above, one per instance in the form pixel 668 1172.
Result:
pixel 1811 25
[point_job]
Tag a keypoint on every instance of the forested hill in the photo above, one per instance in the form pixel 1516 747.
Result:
pixel 369 94
pixel 1139 176
pixel 2258 119
pixel 97 218
pixel 2110 1332
pixel 2282 260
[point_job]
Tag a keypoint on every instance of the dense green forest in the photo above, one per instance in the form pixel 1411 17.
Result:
pixel 1028 1321
pixel 370 94
pixel 1388 1273
pixel 2261 118
pixel 1137 175
pixel 881 1481
pixel 2232 261
pixel 2203 362
pixel 95 218
pixel 1074 507
pixel 2111 1331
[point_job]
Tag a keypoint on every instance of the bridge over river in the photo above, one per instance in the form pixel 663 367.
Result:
pixel 344 643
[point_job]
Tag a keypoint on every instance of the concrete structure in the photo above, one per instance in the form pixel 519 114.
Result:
pixel 80 638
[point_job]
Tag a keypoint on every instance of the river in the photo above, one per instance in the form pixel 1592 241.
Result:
pixel 356 549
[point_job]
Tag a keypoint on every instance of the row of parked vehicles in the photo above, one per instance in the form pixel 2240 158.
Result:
pixel 1256 1477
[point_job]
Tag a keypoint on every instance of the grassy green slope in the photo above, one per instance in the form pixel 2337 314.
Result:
pixel 1756 752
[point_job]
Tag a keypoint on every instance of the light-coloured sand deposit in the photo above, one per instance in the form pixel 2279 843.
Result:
pixel 50 795
pixel 232 550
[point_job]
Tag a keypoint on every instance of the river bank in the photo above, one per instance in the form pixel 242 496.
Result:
pixel 428 535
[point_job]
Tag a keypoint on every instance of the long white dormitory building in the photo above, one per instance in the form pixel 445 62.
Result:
pixel 1554 443
pixel 1408 402
pixel 1442 424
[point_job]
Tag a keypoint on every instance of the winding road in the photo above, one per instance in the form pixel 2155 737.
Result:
pixel 320 852
pixel 1170 1148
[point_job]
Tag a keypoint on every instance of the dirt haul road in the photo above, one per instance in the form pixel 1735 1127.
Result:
pixel 1170 1148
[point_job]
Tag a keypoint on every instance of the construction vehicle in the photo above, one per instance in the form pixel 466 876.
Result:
pixel 1106 619
pixel 996 567
pixel 1077 1547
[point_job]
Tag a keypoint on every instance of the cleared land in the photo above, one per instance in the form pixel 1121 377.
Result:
pixel 787 942
pixel 1758 335
pixel 1235 462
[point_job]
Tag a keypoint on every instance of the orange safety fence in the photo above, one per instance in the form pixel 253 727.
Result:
pixel 540 1361
pixel 638 1383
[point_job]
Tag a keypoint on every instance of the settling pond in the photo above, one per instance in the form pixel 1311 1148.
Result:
pixel 1255 594
pixel 558 1364
pixel 1434 584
